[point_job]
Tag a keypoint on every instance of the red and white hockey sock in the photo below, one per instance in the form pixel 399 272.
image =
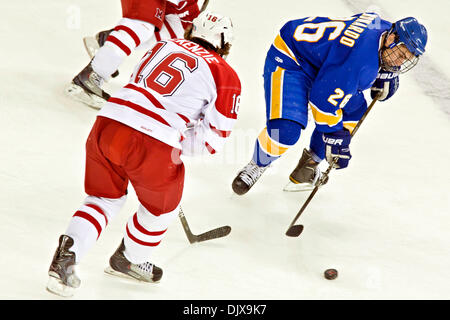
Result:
pixel 127 35
pixel 144 233
pixel 90 220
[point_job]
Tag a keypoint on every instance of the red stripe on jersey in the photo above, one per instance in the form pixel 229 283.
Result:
pixel 186 119
pixel 157 36
pixel 153 100
pixel 147 94
pixel 210 149
pixel 130 32
pixel 98 209
pixel 140 109
pixel 221 133
pixel 171 32
pixel 143 243
pixel 143 230
pixel 91 219
pixel 119 43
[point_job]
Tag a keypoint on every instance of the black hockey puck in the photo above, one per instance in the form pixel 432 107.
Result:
pixel 330 274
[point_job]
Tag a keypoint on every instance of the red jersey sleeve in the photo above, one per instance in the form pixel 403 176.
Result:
pixel 220 115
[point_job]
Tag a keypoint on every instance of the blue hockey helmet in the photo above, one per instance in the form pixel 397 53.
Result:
pixel 412 34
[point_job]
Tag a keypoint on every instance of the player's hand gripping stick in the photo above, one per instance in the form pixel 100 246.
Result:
pixel 295 230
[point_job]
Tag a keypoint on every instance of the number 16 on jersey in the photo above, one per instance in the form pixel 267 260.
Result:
pixel 236 104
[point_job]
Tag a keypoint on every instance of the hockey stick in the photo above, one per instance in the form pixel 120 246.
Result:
pixel 295 230
pixel 209 235
pixel 204 5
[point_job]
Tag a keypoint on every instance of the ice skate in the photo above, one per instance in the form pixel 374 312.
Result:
pixel 306 175
pixel 62 277
pixel 86 88
pixel 247 177
pixel 120 266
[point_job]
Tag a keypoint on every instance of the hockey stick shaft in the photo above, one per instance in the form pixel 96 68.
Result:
pixel 295 230
pixel 209 235
pixel 204 5
pixel 186 228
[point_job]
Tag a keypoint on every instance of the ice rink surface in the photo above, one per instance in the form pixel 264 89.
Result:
pixel 384 222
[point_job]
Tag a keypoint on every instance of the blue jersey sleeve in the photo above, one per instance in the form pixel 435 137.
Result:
pixel 344 75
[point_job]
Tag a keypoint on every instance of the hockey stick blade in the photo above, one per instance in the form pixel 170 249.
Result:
pixel 294 231
pixel 209 235
pixel 213 234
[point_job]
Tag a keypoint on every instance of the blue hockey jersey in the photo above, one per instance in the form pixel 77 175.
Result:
pixel 339 55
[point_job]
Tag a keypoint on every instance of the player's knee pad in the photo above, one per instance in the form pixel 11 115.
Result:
pixel 153 221
pixel 275 140
pixel 283 131
pixel 107 207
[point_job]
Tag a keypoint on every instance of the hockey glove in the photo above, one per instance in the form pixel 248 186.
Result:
pixel 337 144
pixel 192 145
pixel 387 83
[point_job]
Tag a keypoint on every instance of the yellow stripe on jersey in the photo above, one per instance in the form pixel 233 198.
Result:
pixel 283 48
pixel 350 125
pixel 270 146
pixel 326 118
pixel 276 93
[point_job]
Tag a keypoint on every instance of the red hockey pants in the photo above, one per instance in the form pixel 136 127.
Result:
pixel 116 154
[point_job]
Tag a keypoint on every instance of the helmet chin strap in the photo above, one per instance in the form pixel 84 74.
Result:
pixel 393 44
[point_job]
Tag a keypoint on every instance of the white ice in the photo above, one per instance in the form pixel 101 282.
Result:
pixel 384 222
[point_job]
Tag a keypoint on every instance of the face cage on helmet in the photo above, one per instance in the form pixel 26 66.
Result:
pixel 406 66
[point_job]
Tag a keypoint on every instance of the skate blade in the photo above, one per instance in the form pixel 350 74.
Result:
pixel 56 286
pixel 113 272
pixel 91 46
pixel 298 187
pixel 78 94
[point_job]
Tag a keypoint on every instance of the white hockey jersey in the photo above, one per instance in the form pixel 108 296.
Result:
pixel 179 91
